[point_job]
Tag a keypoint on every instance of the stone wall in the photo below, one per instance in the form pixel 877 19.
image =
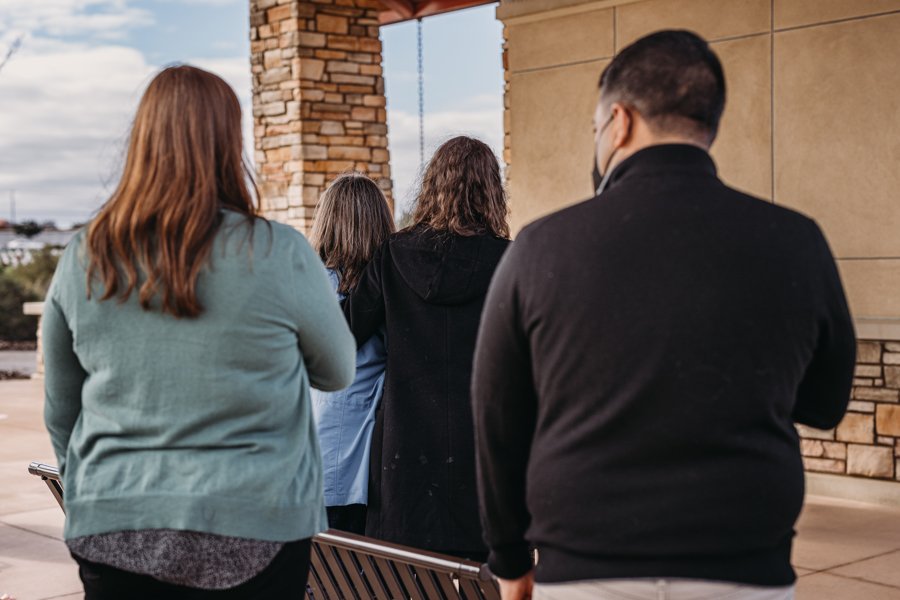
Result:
pixel 790 65
pixel 867 442
pixel 507 153
pixel 318 100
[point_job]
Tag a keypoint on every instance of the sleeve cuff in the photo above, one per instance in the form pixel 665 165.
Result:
pixel 510 561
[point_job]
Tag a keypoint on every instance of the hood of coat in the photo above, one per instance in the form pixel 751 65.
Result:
pixel 445 268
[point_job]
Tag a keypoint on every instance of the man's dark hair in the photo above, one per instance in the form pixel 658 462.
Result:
pixel 673 79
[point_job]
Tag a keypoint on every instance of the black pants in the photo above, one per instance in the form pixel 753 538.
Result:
pixel 350 518
pixel 284 578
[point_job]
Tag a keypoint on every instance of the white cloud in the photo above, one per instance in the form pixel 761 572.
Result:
pixel 65 111
pixel 64 114
pixel 65 107
pixel 225 44
pixel 480 117
pixel 206 2
pixel 103 19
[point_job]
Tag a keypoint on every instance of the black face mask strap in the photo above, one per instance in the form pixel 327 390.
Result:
pixel 601 179
pixel 606 173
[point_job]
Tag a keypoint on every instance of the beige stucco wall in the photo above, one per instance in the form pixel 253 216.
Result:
pixel 812 119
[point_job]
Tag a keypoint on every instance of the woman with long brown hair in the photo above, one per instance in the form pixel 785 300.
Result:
pixel 426 287
pixel 182 332
pixel 352 221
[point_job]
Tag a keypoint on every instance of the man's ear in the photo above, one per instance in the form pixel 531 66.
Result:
pixel 624 124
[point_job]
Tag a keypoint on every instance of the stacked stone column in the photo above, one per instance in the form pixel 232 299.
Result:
pixel 507 147
pixel 318 101
pixel 867 442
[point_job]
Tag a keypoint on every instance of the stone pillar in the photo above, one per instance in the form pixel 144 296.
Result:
pixel 318 101
pixel 867 442
pixel 507 150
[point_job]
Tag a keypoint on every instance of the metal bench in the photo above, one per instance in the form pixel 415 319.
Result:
pixel 351 567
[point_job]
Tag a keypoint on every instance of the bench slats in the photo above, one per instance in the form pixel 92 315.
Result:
pixel 375 579
pixel 354 570
pixel 329 588
pixel 474 590
pixel 347 583
pixel 426 580
pixel 390 575
pixel 447 587
pixel 352 567
pixel 315 589
pixel 409 577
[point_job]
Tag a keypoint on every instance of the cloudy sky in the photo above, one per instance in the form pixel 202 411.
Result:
pixel 68 93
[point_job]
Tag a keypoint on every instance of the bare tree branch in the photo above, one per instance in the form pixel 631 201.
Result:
pixel 13 48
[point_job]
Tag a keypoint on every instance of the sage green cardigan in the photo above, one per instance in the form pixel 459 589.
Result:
pixel 205 423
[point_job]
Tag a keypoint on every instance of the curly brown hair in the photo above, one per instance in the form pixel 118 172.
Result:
pixel 462 191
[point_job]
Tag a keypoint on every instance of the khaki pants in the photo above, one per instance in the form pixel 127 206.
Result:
pixel 661 589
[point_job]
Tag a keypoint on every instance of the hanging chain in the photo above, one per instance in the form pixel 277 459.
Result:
pixel 421 67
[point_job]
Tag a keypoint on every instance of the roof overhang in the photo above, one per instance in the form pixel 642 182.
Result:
pixel 396 11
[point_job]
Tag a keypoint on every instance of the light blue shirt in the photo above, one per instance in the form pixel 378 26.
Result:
pixel 345 421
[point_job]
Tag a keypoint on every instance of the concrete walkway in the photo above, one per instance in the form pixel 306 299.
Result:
pixel 34 562
pixel 22 361
pixel 844 550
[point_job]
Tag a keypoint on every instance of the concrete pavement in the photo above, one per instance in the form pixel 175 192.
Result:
pixel 844 550
pixel 21 361
pixel 34 562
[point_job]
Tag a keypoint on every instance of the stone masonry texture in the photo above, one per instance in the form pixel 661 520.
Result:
pixel 507 117
pixel 318 101
pixel 319 110
pixel 867 441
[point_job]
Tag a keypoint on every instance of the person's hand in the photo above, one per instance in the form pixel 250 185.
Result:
pixel 517 589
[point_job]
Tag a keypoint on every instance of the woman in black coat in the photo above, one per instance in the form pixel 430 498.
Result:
pixel 426 287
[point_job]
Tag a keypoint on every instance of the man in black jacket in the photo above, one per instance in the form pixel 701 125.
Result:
pixel 643 357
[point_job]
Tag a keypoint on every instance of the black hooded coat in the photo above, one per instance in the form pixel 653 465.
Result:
pixel 426 289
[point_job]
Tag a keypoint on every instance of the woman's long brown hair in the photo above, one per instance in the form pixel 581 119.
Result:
pixel 184 164
pixel 462 191
pixel 352 221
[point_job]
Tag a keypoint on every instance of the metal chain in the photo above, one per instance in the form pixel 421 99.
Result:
pixel 421 67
